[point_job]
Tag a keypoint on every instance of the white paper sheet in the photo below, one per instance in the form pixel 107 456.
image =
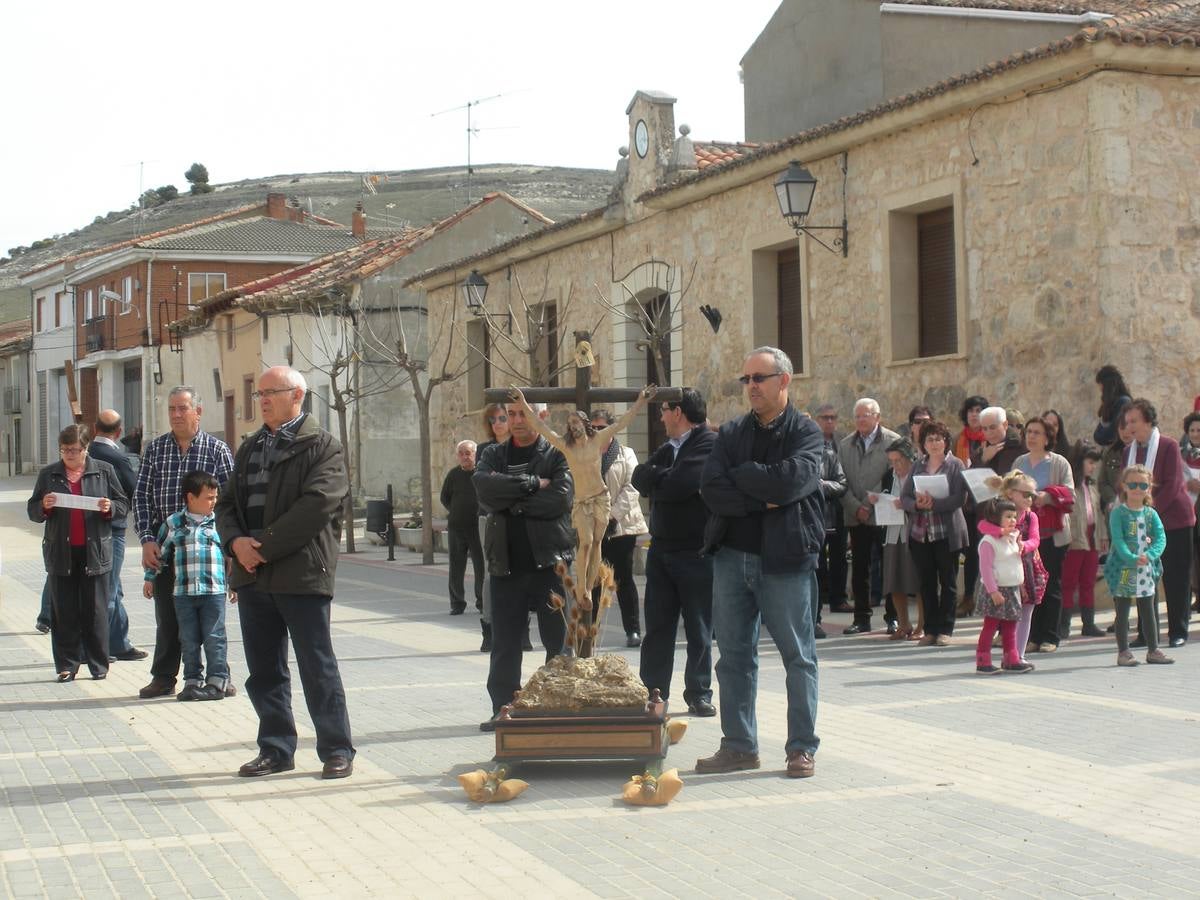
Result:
pixel 975 481
pixel 937 486
pixel 886 512
pixel 70 501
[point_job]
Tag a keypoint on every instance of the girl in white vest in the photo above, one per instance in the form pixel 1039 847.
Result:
pixel 998 591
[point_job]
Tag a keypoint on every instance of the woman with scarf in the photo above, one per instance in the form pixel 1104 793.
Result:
pixel 77 549
pixel 1164 457
pixel 1190 447
pixel 969 443
pixel 1051 472
pixel 625 523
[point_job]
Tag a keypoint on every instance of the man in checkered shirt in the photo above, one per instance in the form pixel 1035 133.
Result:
pixel 158 495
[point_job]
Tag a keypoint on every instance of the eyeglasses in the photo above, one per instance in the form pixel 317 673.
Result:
pixel 70 451
pixel 758 377
pixel 666 408
pixel 270 392
pixel 492 420
pixel 830 417
pixel 1137 485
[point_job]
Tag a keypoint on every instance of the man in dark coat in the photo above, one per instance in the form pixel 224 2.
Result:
pixel 526 490
pixel 105 447
pixel 678 577
pixel 279 518
pixel 762 482
pixel 462 528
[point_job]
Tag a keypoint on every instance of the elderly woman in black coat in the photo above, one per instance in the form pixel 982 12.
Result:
pixel 77 549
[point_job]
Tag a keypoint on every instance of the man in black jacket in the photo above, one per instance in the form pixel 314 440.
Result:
pixel 462 528
pixel 279 521
pixel 678 577
pixel 762 482
pixel 526 490
pixel 104 447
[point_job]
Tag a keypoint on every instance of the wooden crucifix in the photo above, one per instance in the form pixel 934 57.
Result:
pixel 590 509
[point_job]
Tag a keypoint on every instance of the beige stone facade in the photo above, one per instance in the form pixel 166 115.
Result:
pixel 1076 243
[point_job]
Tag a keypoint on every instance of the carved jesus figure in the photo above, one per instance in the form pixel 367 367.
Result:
pixel 583 446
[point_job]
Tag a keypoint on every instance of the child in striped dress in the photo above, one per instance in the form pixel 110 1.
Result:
pixel 189 540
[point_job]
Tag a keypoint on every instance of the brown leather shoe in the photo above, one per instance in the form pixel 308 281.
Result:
pixel 725 760
pixel 265 764
pixel 800 764
pixel 158 687
pixel 338 766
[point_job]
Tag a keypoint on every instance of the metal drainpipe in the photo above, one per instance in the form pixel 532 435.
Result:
pixel 150 428
pixel 961 12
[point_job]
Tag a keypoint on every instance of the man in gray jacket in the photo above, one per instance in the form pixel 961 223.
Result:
pixel 864 460
pixel 278 518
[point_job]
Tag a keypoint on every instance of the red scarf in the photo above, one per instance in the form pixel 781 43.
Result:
pixel 962 447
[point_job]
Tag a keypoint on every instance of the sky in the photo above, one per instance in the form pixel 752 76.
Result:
pixel 101 99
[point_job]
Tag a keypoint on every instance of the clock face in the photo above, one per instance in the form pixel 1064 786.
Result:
pixel 641 138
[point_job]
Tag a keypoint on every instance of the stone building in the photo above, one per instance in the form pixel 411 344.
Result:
pixel 1010 229
pixel 302 317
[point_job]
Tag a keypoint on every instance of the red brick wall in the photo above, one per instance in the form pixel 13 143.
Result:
pixel 169 300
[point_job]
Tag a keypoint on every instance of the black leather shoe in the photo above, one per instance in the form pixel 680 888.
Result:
pixel 458 610
pixel 891 627
pixel 857 629
pixel 265 764
pixel 818 632
pixel 1138 643
pixel 841 608
pixel 633 639
pixel 158 687
pixel 1178 641
pixel 702 708
pixel 133 653
pixel 489 724
pixel 338 766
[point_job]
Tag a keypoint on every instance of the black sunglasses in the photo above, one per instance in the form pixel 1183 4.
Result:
pixel 758 378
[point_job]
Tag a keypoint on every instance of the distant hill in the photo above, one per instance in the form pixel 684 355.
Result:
pixel 416 197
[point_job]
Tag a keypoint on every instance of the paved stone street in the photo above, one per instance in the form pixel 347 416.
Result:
pixel 1080 779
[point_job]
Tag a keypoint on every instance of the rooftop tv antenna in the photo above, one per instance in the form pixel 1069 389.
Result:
pixel 468 106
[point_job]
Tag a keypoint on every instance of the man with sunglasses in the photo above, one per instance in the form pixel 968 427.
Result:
pixel 762 483
pixel 678 578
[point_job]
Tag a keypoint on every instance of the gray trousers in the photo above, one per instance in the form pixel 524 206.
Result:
pixel 1147 608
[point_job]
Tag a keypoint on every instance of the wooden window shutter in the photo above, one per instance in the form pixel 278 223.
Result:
pixel 936 296
pixel 791 314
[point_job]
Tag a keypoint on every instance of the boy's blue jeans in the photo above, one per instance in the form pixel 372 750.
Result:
pixel 202 624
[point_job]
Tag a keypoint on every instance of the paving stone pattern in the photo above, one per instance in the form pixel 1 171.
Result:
pixel 1078 780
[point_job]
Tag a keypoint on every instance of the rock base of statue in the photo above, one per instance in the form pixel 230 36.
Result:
pixel 583 709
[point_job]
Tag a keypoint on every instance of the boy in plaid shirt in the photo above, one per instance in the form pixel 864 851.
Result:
pixel 189 540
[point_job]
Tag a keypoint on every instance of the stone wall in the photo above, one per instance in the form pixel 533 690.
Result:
pixel 1080 239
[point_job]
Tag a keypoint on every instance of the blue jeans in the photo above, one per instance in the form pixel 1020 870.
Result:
pixel 202 624
pixel 743 598
pixel 118 619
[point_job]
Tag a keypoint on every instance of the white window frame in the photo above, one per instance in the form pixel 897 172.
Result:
pixel 207 292
pixel 127 295
pixel 88 297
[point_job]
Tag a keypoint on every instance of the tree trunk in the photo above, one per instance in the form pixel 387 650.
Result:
pixel 339 400
pixel 422 400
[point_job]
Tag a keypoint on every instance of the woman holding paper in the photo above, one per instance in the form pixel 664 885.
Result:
pixel 937 531
pixel 77 498
pixel 1055 499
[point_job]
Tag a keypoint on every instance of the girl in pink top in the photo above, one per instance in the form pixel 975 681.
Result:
pixel 998 591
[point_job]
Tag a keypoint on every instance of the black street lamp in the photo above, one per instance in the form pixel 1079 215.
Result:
pixel 795 189
pixel 474 290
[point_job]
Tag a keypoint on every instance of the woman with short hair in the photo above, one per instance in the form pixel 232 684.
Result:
pixel 937 531
pixel 1162 456
pixel 77 549
pixel 1051 472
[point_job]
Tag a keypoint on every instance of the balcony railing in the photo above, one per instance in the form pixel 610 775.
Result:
pixel 98 334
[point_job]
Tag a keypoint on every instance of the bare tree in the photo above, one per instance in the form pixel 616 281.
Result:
pixel 655 324
pixel 408 350
pixel 333 324
pixel 528 348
